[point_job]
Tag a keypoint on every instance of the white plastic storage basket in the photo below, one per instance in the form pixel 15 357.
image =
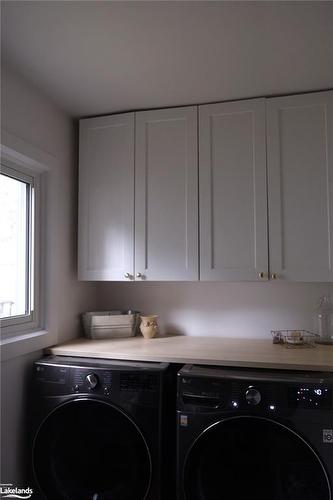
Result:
pixel 110 324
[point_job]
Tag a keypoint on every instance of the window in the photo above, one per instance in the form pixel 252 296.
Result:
pixel 18 256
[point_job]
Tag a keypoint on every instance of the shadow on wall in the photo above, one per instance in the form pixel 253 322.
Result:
pixel 173 329
pixel 219 309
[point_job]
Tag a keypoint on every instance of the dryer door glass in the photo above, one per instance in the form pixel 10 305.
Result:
pixel 253 458
pixel 89 450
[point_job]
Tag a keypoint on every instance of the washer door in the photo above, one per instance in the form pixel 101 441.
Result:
pixel 253 458
pixel 87 449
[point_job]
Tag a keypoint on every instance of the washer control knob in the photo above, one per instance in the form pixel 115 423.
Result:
pixel 92 380
pixel 252 396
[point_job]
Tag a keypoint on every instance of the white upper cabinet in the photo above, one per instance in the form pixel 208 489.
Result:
pixel 233 198
pixel 300 173
pixel 145 203
pixel 166 195
pixel 106 198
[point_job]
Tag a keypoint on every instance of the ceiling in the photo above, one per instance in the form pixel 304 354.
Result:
pixel 96 57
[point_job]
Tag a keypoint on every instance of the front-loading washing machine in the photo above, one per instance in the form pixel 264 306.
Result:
pixel 100 429
pixel 254 435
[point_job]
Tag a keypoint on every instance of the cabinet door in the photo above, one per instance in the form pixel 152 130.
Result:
pixel 166 194
pixel 106 197
pixel 300 170
pixel 233 201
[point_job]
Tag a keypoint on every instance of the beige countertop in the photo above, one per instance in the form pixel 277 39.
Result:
pixel 254 353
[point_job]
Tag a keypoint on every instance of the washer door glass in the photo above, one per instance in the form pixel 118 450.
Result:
pixel 88 449
pixel 253 458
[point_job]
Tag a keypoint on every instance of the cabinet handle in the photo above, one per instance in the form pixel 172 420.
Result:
pixel 128 276
pixel 274 276
pixel 139 275
pixel 261 275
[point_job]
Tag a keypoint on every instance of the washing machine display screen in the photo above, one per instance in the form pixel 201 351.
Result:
pixel 310 397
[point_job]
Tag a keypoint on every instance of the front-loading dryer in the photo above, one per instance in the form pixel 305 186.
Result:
pixel 100 429
pixel 254 435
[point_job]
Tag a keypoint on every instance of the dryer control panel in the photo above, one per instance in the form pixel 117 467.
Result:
pixel 92 380
pixel 131 381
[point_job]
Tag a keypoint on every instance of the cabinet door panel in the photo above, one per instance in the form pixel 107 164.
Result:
pixel 106 197
pixel 233 203
pixel 166 194
pixel 300 169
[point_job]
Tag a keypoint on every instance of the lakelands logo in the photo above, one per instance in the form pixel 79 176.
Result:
pixel 9 491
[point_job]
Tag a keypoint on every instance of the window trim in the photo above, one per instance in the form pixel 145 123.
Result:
pixel 25 156
pixel 27 322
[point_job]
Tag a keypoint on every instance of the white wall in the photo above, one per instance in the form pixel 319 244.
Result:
pixel 33 118
pixel 220 309
pixel 15 378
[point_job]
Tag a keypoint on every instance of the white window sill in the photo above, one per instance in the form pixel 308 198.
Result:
pixel 19 345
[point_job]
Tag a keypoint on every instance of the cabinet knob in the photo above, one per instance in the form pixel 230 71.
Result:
pixel 139 275
pixel 274 276
pixel 261 275
pixel 128 276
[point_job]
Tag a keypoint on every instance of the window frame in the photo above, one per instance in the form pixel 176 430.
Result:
pixel 25 323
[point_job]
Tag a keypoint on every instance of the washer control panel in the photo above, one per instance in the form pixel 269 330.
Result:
pixel 202 389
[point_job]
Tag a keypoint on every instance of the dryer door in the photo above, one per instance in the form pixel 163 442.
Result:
pixel 253 458
pixel 90 450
